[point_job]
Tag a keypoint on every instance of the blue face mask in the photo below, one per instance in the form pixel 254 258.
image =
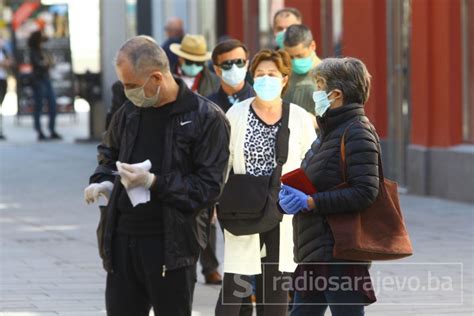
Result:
pixel 191 70
pixel 302 66
pixel 321 102
pixel 268 88
pixel 234 76
pixel 279 39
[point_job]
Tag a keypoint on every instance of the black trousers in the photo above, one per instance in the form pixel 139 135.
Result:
pixel 138 284
pixel 208 257
pixel 43 89
pixel 235 289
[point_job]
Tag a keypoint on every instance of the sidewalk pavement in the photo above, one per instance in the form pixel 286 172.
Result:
pixel 49 264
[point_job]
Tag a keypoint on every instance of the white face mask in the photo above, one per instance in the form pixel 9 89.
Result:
pixel 321 102
pixel 137 96
pixel 268 88
pixel 234 76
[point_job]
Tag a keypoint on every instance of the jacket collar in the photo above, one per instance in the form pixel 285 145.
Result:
pixel 336 117
pixel 186 100
pixel 244 93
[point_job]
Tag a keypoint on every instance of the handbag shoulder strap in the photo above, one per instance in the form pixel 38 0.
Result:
pixel 343 151
pixel 283 137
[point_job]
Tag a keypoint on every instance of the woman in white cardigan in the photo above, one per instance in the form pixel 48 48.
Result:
pixel 254 126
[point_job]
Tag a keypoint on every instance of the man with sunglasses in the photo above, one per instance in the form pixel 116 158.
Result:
pixel 230 60
pixel 192 54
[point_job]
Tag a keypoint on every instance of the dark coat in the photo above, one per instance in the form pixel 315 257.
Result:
pixel 313 238
pixel 222 99
pixel 208 83
pixel 39 63
pixel 193 171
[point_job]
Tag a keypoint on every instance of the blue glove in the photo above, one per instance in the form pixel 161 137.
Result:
pixel 292 200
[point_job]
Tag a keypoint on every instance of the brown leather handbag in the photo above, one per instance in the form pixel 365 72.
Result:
pixel 376 233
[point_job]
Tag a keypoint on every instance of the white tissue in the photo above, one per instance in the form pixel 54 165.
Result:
pixel 139 195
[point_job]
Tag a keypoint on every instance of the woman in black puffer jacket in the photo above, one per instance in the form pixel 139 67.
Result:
pixel 343 86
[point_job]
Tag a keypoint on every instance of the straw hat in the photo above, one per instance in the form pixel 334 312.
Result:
pixel 192 47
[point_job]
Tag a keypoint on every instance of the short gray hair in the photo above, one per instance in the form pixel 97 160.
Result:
pixel 350 75
pixel 144 54
pixel 298 34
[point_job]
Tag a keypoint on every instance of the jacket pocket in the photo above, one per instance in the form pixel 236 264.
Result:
pixel 184 238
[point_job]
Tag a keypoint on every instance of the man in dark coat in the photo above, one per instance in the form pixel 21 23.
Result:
pixel 149 245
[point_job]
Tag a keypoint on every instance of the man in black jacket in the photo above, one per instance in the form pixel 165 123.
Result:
pixel 150 250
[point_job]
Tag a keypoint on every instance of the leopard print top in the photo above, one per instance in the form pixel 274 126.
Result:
pixel 259 146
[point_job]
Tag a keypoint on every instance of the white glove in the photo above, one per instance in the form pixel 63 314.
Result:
pixel 133 176
pixel 94 190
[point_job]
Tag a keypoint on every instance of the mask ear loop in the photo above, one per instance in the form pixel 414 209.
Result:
pixel 146 81
pixel 327 95
pixel 157 89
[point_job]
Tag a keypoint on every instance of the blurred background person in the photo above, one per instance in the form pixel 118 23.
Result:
pixel 299 43
pixel 254 128
pixel 282 19
pixel 5 64
pixel 174 30
pixel 41 62
pixel 118 98
pixel 192 54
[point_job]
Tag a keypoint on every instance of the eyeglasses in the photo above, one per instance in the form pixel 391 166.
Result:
pixel 191 62
pixel 227 65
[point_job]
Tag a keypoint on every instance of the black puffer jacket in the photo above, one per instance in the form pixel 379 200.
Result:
pixel 313 238
pixel 193 170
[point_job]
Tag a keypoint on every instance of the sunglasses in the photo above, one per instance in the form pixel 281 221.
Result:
pixel 227 65
pixel 191 62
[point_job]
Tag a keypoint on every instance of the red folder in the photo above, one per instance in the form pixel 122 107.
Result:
pixel 298 180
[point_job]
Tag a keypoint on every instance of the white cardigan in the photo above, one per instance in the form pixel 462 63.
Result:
pixel 242 254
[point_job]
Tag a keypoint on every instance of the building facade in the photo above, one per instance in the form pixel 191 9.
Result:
pixel 421 56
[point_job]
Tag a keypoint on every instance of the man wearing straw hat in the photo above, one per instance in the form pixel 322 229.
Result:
pixel 192 54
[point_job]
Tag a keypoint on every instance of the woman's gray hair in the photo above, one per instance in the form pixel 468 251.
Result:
pixel 144 54
pixel 348 74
